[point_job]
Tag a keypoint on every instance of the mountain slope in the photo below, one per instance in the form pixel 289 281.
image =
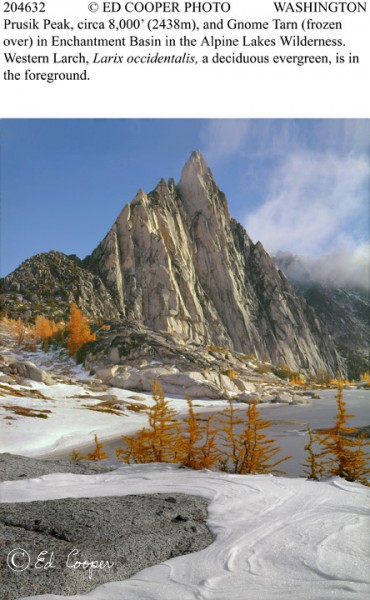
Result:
pixel 345 311
pixel 346 315
pixel 175 261
pixel 47 284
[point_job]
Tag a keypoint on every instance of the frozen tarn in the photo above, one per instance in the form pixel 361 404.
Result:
pixel 275 537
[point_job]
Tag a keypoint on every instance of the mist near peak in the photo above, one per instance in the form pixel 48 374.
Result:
pixel 342 268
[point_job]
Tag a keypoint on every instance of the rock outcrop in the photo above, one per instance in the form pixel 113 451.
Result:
pixel 128 532
pixel 13 467
pixel 47 284
pixel 129 356
pixel 345 313
pixel 28 370
pixel 175 261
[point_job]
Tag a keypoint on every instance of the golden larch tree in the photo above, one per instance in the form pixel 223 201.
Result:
pixel 230 439
pixel 313 467
pixel 256 450
pixel 44 330
pixel 161 441
pixel 165 441
pixel 210 454
pixel 78 330
pixel 192 434
pixel 345 455
pixel 197 442
pixel 96 455
pixel 20 331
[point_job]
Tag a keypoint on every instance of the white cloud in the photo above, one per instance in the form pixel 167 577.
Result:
pixel 224 138
pixel 313 176
pixel 345 267
pixel 313 202
pixel 342 135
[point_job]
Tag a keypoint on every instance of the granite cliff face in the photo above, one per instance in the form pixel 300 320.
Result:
pixel 175 261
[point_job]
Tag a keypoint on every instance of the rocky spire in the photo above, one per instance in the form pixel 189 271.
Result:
pixel 198 190
pixel 195 166
pixel 176 262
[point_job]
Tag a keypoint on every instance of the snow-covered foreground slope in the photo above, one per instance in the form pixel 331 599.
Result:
pixel 276 538
pixel 71 423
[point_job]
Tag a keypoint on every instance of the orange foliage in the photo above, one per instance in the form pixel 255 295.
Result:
pixel 96 455
pixel 229 437
pixel 78 330
pixel 160 442
pixel 165 432
pixel 194 446
pixel 193 434
pixel 231 373
pixel 169 440
pixel 197 445
pixel 44 330
pixel 313 467
pixel 249 451
pixel 365 377
pixel 298 380
pixel 210 454
pixel 20 331
pixel 16 329
pixel 346 456
pixel 257 450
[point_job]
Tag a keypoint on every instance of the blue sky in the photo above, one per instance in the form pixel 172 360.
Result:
pixel 296 185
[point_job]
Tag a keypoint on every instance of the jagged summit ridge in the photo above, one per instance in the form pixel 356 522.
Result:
pixel 175 261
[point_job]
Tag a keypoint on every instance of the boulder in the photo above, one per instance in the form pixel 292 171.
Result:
pixel 267 398
pixel 140 380
pixel 171 381
pixel 300 399
pixel 228 384
pixel 183 379
pixel 247 398
pixel 283 397
pixel 203 390
pixel 29 370
pixel 244 386
pixel 106 373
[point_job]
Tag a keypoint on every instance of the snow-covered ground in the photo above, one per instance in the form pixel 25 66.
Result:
pixel 276 538
pixel 71 423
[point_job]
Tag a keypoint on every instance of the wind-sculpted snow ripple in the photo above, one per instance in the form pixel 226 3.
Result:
pixel 275 537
